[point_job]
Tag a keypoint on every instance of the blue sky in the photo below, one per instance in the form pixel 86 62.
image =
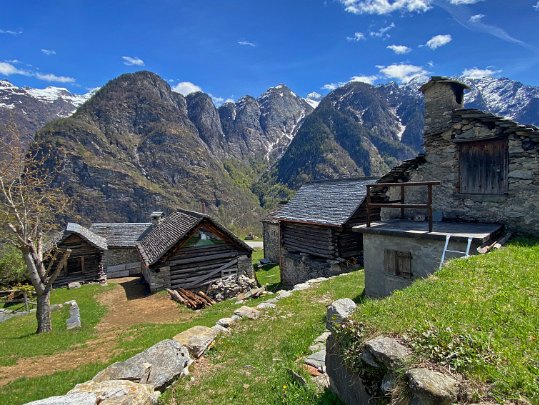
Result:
pixel 230 48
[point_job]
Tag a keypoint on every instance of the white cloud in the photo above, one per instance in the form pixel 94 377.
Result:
pixel 185 88
pixel 536 7
pixel 10 32
pixel 132 61
pixel 384 6
pixel 314 96
pixel 48 52
pixel 430 63
pixel 459 2
pixel 476 73
pixel 403 72
pixel 382 32
pixel 358 36
pixel 49 77
pixel 7 69
pixel 247 43
pixel 364 79
pixel 476 18
pixel 399 49
pixel 360 78
pixel 438 41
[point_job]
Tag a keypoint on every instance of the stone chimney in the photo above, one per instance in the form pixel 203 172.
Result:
pixel 157 217
pixel 442 97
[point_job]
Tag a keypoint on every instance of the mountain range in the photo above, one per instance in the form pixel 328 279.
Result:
pixel 135 145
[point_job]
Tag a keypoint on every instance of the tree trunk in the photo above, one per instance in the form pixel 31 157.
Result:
pixel 43 312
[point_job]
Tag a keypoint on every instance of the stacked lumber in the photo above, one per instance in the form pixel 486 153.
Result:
pixel 192 300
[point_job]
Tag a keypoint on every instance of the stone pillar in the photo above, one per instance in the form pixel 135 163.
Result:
pixel 245 266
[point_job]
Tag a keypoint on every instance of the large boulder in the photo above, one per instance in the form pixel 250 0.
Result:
pixel 118 392
pixel 197 339
pixel 158 366
pixel 338 311
pixel 429 387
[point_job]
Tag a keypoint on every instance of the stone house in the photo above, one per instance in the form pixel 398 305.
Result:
pixel 488 169
pixel 191 250
pixel 85 262
pixel 316 236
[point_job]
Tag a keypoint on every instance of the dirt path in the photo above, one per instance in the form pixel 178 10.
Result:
pixel 126 306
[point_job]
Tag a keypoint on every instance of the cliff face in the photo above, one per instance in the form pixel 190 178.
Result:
pixel 132 149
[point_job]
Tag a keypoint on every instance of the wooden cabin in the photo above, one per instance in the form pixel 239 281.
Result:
pixel 191 250
pixel 85 261
pixel 316 237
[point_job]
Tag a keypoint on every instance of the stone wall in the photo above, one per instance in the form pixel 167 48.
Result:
pixel 157 279
pixel 271 240
pixel 298 268
pixel 122 262
pixel 426 255
pixel 518 209
pixel 245 266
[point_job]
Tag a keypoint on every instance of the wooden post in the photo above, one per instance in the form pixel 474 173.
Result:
pixel 368 206
pixel 402 201
pixel 430 206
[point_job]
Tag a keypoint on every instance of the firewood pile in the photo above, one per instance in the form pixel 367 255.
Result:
pixel 192 300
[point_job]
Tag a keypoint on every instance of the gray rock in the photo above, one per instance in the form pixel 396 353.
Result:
pixel 389 382
pixel 118 392
pixel 301 287
pixel 247 312
pixel 69 399
pixel 338 311
pixel 317 347
pixel 226 322
pixel 323 337
pixel 218 329
pixel 73 322
pixel 387 351
pixel 197 339
pixel 266 305
pixel 430 387
pixel 73 285
pixel 272 300
pixel 317 360
pixel 284 294
pixel 158 366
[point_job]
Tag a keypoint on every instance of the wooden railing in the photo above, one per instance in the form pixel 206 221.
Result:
pixel 400 202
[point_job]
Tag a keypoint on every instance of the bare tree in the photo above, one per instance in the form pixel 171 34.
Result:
pixel 29 209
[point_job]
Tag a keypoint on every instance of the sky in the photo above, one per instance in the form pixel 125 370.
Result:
pixel 230 48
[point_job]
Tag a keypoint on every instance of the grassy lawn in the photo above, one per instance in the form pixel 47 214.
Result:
pixel 18 338
pixel 252 365
pixel 268 275
pixel 478 316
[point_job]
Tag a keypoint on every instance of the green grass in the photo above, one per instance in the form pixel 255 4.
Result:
pixel 268 275
pixel 18 338
pixel 478 316
pixel 252 364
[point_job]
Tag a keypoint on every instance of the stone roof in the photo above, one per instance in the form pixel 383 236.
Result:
pixel 89 236
pixel 509 126
pixel 442 79
pixel 176 226
pixel 121 234
pixel 329 203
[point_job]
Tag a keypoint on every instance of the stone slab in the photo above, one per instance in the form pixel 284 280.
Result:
pixel 197 339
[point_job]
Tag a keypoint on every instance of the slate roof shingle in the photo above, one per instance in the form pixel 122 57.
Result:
pixel 89 236
pixel 330 202
pixel 121 234
pixel 161 238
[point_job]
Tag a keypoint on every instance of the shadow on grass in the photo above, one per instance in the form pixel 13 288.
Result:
pixel 329 398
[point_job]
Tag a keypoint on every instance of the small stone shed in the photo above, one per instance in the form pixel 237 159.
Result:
pixel 121 259
pixel 316 237
pixel 488 168
pixel 191 250
pixel 86 258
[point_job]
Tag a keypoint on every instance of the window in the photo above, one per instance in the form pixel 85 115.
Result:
pixel 483 167
pixel 398 263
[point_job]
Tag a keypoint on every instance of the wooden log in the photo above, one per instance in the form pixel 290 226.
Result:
pixel 190 303
pixel 496 245
pixel 203 258
pixel 203 295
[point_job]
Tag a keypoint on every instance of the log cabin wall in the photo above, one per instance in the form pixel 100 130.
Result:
pixel 83 262
pixel 319 241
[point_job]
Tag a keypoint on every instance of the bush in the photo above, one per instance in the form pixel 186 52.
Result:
pixel 12 267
